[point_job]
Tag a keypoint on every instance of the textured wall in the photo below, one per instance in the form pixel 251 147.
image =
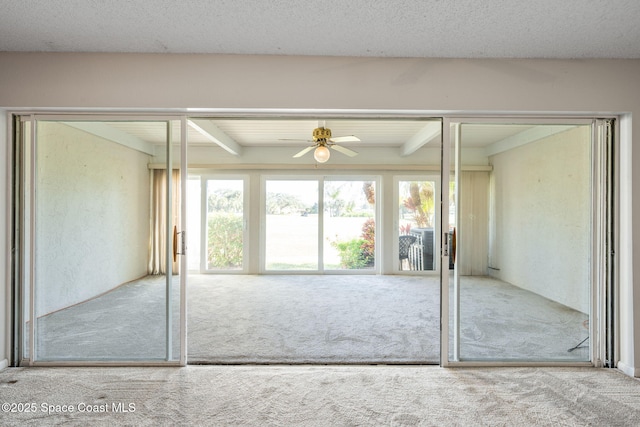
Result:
pixel 542 217
pixel 92 225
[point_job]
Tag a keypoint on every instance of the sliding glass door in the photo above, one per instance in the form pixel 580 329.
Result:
pixel 418 223
pixel 320 224
pixel 103 258
pixel 522 241
pixel 349 224
pixel 225 224
pixel 291 231
pixel 516 229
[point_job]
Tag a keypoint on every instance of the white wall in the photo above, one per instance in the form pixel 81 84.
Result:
pixel 542 196
pixel 180 82
pixel 93 216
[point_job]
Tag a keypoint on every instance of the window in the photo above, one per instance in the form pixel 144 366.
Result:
pixel 217 238
pixel 225 224
pixel 417 223
pixel 320 224
pixel 291 241
pixel 349 224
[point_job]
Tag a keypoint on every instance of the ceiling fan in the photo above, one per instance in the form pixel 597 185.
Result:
pixel 323 140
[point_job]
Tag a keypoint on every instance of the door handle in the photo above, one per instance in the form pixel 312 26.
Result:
pixel 453 245
pixel 175 242
pixel 183 247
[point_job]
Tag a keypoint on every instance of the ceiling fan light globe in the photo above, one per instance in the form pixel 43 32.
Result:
pixel 321 154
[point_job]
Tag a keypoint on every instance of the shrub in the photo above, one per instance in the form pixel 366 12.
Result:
pixel 358 253
pixel 224 241
pixel 351 254
pixel 369 245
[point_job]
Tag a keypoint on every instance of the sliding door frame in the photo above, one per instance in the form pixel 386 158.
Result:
pixel 603 268
pixel 446 122
pixel 24 234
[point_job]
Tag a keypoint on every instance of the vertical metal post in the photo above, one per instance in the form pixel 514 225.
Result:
pixel 609 357
pixel 596 290
pixel 613 224
pixel 32 243
pixel 169 244
pixel 14 273
pixel 444 250
pixel 183 220
pixel 320 195
pixel 456 270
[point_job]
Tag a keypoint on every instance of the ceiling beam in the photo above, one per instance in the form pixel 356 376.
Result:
pixel 214 134
pixel 103 130
pixel 525 137
pixel 424 136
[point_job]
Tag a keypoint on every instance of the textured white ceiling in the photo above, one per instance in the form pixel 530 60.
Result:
pixel 381 28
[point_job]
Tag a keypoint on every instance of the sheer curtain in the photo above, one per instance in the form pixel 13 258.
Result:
pixel 158 239
pixel 473 232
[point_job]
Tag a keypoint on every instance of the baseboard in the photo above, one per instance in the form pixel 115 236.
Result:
pixel 4 364
pixel 629 370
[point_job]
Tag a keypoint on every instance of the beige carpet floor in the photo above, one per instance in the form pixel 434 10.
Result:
pixel 314 319
pixel 318 396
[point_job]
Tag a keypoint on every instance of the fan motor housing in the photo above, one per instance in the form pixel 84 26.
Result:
pixel 321 134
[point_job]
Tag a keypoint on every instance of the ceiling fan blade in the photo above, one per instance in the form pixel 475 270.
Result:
pixel 305 151
pixel 344 150
pixel 349 138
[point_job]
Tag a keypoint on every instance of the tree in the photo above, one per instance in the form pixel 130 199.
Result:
pixel 333 201
pixel 421 202
pixel 284 204
pixel 225 200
